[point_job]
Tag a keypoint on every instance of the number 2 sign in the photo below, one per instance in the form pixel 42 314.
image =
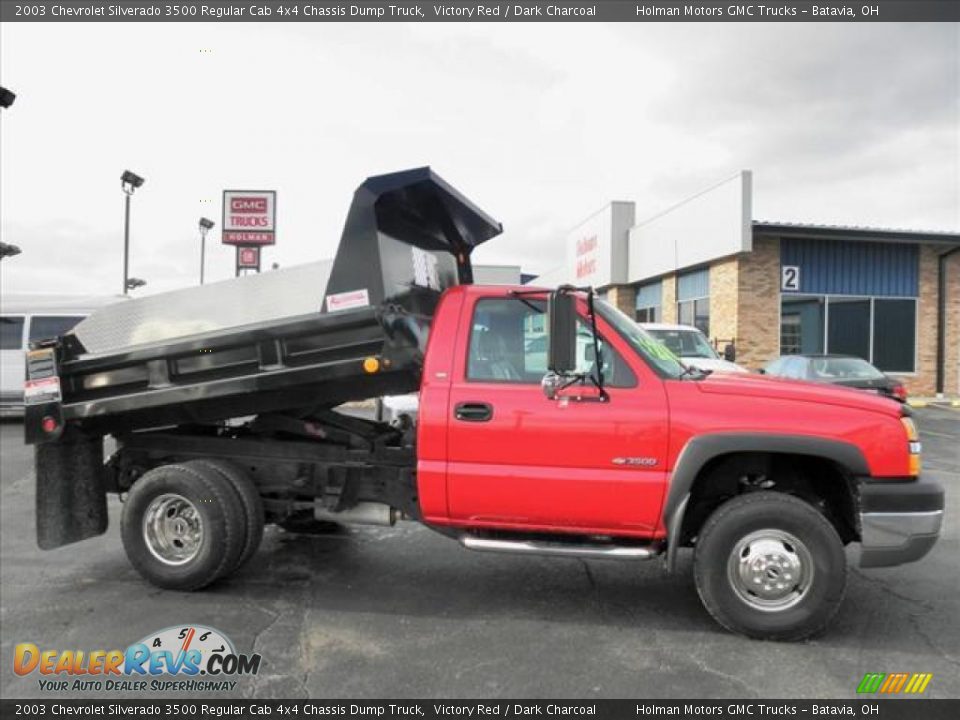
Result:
pixel 790 277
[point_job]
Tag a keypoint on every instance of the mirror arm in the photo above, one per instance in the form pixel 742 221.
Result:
pixel 597 359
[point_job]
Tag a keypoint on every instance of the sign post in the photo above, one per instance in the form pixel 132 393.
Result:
pixel 249 223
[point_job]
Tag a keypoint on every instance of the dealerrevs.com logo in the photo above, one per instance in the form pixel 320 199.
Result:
pixel 178 658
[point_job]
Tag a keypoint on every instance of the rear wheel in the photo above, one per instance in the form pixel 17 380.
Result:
pixel 770 566
pixel 182 527
pixel 249 498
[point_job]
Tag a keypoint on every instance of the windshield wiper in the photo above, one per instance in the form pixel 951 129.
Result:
pixel 693 371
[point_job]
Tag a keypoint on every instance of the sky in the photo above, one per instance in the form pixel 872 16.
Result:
pixel 539 124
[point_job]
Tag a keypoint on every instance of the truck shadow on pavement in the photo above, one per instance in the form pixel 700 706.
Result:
pixel 412 572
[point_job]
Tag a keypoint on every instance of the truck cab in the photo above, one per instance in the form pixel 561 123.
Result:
pixel 658 456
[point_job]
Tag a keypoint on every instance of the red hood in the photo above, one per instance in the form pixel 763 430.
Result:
pixel 780 388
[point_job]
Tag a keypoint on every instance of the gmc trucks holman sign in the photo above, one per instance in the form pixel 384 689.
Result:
pixel 249 217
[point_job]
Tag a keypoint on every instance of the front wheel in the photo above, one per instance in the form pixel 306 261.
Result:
pixel 770 566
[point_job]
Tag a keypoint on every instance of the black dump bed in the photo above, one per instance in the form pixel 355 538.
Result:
pixel 304 338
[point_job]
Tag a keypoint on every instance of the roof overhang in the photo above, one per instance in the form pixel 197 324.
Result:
pixel 832 232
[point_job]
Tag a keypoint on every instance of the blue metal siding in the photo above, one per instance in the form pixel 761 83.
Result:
pixel 836 267
pixel 693 285
pixel 650 295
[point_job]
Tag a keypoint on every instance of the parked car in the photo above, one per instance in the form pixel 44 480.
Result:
pixel 691 346
pixel 846 370
pixel 28 317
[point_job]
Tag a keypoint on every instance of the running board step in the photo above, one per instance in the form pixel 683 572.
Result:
pixel 559 549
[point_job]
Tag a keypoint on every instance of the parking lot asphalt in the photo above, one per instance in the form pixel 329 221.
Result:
pixel 403 612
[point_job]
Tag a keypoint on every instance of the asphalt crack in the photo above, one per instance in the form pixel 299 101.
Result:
pixel 914 620
pixel 592 581
pixel 882 585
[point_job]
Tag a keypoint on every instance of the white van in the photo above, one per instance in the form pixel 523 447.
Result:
pixel 25 318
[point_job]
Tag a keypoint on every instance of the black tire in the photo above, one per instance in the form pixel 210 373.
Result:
pixel 249 498
pixel 773 537
pixel 203 494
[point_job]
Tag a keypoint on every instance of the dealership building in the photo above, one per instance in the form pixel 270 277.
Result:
pixel 889 296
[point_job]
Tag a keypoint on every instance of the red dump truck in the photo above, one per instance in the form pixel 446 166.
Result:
pixel 549 423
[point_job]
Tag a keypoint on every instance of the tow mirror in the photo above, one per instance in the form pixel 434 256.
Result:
pixel 562 324
pixel 729 352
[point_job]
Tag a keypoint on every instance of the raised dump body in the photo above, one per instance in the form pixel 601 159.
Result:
pixel 309 337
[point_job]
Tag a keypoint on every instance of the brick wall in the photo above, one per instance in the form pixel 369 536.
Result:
pixel 724 300
pixel 669 299
pixel 924 381
pixel 952 369
pixel 624 298
pixel 758 321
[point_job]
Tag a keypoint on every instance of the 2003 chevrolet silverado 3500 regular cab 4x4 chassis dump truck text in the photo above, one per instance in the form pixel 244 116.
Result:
pixel 548 423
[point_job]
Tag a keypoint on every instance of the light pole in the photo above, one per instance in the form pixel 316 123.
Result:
pixel 7 250
pixel 129 182
pixel 205 226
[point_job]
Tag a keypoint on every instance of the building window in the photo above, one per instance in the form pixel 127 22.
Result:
pixel 649 314
pixel 801 325
pixel 791 335
pixel 894 334
pixel 693 300
pixel 882 331
pixel 648 303
pixel 848 326
pixel 695 313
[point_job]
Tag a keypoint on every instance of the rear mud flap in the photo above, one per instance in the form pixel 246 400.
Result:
pixel 71 497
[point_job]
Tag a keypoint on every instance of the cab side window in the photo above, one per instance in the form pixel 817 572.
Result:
pixel 508 343
pixel 501 338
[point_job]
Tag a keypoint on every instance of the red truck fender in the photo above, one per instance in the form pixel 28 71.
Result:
pixel 702 449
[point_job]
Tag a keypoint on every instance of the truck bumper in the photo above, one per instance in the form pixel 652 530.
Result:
pixel 900 521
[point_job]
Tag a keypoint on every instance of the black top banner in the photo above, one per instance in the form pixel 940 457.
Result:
pixel 466 11
pixel 487 709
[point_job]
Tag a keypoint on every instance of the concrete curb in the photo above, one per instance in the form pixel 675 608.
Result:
pixel 922 402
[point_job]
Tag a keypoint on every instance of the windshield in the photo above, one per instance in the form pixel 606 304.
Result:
pixel 650 349
pixel 843 368
pixel 685 343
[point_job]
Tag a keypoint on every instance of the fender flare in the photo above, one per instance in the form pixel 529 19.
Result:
pixel 703 448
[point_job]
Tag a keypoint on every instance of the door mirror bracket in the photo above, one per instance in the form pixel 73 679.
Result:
pixel 551 385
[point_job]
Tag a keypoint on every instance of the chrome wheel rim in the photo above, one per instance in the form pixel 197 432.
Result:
pixel 172 529
pixel 770 570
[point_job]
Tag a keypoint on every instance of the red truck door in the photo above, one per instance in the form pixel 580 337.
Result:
pixel 518 459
